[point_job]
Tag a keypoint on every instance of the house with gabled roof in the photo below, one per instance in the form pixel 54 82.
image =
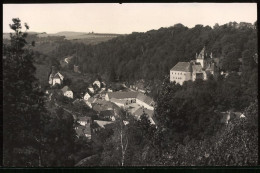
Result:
pixel 55 77
pixel 97 83
pixel 67 92
pixel 145 101
pixel 121 95
pixel 86 96
pixel 91 89
pixel 107 115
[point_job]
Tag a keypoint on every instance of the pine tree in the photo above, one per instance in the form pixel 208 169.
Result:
pixel 23 104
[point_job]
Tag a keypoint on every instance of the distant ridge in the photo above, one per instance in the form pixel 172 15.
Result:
pixel 69 35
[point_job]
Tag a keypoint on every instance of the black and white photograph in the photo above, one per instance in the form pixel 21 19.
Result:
pixel 130 84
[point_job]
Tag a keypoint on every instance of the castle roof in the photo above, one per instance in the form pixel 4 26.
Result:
pixel 201 54
pixel 182 66
pixel 196 68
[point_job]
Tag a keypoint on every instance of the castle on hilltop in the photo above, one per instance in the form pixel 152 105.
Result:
pixel 201 68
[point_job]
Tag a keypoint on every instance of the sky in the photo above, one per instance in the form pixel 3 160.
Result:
pixel 124 18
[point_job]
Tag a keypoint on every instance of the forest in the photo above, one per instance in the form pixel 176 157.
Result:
pixel 188 132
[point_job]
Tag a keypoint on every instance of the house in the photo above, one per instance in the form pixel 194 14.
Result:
pixel 84 120
pixel 67 92
pixel 86 96
pixel 91 89
pixel 84 131
pixel 125 122
pixel 96 82
pixel 201 68
pixel 145 101
pixel 107 115
pixel 55 77
pixel 68 59
pixel 123 98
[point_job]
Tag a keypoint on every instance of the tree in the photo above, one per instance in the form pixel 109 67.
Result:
pixel 23 106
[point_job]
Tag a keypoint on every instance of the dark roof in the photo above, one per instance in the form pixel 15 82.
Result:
pixel 107 113
pixel 122 95
pixel 182 66
pixel 144 98
pixel 84 118
pixel 66 88
pixel 118 101
pixel 98 108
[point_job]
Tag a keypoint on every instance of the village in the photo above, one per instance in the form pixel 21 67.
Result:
pixel 103 101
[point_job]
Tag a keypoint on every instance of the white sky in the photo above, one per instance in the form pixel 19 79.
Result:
pixel 124 18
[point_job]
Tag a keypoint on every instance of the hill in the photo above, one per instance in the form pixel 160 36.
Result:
pixel 152 54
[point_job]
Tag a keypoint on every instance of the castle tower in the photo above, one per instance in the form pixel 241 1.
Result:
pixel 201 57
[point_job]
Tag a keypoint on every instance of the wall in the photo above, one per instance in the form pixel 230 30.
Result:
pixel 179 76
pixel 58 81
pixel 201 61
pixel 68 94
pixel 86 96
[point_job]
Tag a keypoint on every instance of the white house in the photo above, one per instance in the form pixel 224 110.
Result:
pixel 56 78
pixel 67 92
pixel 91 89
pixel 96 82
pixel 86 96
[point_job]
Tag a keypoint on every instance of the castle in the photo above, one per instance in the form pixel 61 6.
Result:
pixel 201 68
